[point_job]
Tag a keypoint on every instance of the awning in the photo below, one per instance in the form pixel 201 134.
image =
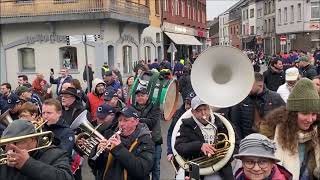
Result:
pixel 183 39
pixel 248 39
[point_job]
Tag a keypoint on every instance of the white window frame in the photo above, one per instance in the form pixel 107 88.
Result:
pixel 313 6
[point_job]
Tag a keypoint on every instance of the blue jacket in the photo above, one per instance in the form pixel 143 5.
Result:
pixel 57 82
pixel 63 136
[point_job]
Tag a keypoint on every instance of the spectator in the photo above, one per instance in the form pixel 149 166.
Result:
pixel 274 76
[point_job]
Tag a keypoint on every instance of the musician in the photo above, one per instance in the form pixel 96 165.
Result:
pixel 64 136
pixel 28 111
pixel 131 153
pixel 198 133
pixel 50 163
pixel 259 162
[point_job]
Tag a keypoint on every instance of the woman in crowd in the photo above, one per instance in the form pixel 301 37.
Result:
pixel 257 154
pixel 127 88
pixel 297 132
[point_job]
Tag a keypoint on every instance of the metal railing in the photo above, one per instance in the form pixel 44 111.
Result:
pixel 31 8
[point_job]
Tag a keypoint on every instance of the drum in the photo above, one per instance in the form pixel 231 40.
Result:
pixel 162 91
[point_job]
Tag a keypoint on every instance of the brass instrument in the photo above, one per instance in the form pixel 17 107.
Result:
pixel 39 123
pixel 44 141
pixel 5 118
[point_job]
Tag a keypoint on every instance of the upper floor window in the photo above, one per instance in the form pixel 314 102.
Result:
pixel 259 13
pixel 292 13
pixel 189 9
pixel 315 10
pixel 157 7
pixel 251 30
pixel 265 8
pixel 176 7
pixel 251 13
pixel 183 9
pixel 285 15
pixel 26 60
pixel 299 12
pixel 279 16
pixel 68 57
pixel 158 38
pixel 165 5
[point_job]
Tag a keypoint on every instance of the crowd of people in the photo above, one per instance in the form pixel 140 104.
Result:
pixel 277 130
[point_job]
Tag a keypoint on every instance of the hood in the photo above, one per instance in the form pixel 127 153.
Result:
pixel 95 82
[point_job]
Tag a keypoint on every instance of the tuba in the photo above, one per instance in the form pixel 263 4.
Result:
pixel 5 118
pixel 90 134
pixel 222 77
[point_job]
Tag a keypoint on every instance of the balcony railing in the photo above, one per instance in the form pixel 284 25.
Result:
pixel 33 8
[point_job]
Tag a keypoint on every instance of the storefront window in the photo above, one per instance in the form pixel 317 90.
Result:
pixel 68 57
pixel 26 60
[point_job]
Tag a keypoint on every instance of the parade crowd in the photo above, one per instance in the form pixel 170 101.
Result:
pixel 277 126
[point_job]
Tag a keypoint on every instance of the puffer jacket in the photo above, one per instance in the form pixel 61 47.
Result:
pixel 138 163
pixel 278 173
pixel 243 114
pixel 151 115
pixel 273 79
pixel 50 163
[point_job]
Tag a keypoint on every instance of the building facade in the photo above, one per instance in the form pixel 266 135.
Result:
pixel 34 36
pixel 214 31
pixel 224 38
pixel 299 22
pixel 184 26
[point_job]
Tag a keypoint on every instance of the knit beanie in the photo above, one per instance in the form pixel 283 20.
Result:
pixel 304 97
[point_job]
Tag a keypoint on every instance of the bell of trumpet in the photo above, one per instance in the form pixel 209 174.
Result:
pixel 5 118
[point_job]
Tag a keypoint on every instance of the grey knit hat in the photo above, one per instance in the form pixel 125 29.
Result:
pixel 257 145
pixel 304 97
pixel 18 128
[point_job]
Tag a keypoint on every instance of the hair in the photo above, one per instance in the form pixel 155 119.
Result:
pixel 128 79
pixel 258 77
pixel 53 102
pixel 273 62
pixel 288 127
pixel 24 77
pixel 316 77
pixel 8 86
pixel 76 83
pixel 28 107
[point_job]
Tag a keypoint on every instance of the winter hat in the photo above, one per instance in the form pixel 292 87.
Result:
pixel 303 58
pixel 257 145
pixel 304 97
pixel 18 128
pixel 97 81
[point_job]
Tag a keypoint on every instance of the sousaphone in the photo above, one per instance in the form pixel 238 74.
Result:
pixel 221 76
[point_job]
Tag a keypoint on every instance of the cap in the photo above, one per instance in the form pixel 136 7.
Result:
pixel 257 145
pixel 18 128
pixel 292 74
pixel 21 89
pixel 109 94
pixel 129 112
pixel 142 89
pixel 13 99
pixel 104 110
pixel 71 91
pixel 196 102
pixel 108 73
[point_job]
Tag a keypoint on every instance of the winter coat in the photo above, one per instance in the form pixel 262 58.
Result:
pixel 243 114
pixel 50 163
pixel 73 112
pixel 137 163
pixel 63 135
pixel 185 87
pixel 58 82
pixel 84 74
pixel 278 173
pixel 151 115
pixel 309 71
pixel 188 144
pixel 273 79
pixel 94 101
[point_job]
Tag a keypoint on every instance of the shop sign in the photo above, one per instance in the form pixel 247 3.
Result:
pixel 201 33
pixel 179 29
pixel 46 38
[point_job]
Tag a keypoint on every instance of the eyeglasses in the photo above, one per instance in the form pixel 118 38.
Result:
pixel 263 163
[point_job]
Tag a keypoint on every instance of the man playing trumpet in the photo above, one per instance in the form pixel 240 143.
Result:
pixel 198 134
pixel 128 155
pixel 49 163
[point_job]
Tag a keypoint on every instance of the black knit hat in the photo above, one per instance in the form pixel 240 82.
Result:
pixel 304 97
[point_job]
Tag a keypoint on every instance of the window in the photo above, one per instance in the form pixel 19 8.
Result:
pixel 291 13
pixel 251 13
pixel 157 8
pixel 165 5
pixel 147 53
pixel 127 59
pixel 269 26
pixel 279 16
pixel 243 29
pixel 158 38
pixel 189 10
pixel 172 7
pixel 251 30
pixel 111 56
pixel 183 9
pixel 68 57
pixel 26 60
pixel 247 14
pixel 315 10
pixel 159 52
pixel 285 14
pixel 269 7
pixel 265 26
pixel 243 15
pixel 176 7
pixel 273 6
pixel 24 1
pixel 299 12
pixel 259 13
pixel 265 8
pixel 273 24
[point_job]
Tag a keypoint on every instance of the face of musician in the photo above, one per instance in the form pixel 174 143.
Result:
pixel 305 120
pixel 50 113
pixel 67 100
pixel 202 112
pixel 257 168
pixel 26 115
pixel 142 98
pixel 128 125
pixel 26 144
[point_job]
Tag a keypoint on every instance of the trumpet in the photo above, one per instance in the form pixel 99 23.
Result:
pixel 44 141
pixel 39 123
pixel 108 146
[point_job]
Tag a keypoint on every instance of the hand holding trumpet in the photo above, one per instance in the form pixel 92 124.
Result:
pixel 16 157
pixel 208 149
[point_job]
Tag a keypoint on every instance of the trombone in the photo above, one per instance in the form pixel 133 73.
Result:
pixel 44 141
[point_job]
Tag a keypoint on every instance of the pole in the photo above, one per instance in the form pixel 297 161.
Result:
pixel 87 66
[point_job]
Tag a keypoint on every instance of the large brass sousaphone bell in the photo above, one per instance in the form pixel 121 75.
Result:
pixel 222 77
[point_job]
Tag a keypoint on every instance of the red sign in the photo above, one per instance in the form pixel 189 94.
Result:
pixel 283 38
pixel 201 33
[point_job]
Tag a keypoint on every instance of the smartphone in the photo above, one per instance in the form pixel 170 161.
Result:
pixel 52 70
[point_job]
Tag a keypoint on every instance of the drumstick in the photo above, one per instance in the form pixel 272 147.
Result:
pixel 174 167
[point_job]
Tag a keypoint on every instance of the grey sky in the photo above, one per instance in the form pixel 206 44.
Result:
pixel 216 7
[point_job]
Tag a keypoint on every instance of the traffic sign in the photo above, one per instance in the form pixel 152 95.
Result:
pixel 283 38
pixel 172 48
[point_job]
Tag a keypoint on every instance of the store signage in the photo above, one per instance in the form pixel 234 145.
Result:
pixel 179 29
pixel 46 38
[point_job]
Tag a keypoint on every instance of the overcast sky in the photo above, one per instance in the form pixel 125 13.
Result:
pixel 216 7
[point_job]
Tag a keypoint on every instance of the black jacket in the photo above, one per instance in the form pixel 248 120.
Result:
pixel 242 114
pixel 84 74
pixel 73 112
pixel 273 79
pixel 151 115
pixel 309 71
pixel 63 135
pixel 47 164
pixel 188 143
pixel 185 87
pixel 138 163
